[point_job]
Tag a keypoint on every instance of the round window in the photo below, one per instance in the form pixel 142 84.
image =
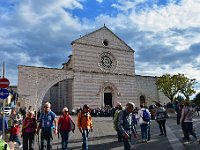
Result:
pixel 105 42
pixel 107 61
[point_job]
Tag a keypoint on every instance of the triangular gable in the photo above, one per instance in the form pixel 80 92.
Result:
pixel 96 38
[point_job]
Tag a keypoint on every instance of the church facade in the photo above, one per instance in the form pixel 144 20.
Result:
pixel 100 72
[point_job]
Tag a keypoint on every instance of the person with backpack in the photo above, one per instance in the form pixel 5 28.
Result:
pixel 125 125
pixel 47 123
pixel 161 115
pixel 3 119
pixel 144 121
pixel 65 125
pixel 116 116
pixel 85 125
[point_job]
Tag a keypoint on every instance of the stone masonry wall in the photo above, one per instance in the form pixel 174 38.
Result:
pixel 34 82
pixel 147 87
pixel 89 88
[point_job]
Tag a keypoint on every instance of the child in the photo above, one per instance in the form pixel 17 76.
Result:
pixel 14 132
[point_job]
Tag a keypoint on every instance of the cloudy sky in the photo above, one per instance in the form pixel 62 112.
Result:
pixel 165 34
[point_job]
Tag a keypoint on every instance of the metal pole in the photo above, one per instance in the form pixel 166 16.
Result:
pixel 3 137
pixel 3 73
pixel 3 70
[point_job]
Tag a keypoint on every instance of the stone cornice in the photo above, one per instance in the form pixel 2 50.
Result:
pixel 102 73
pixel 110 48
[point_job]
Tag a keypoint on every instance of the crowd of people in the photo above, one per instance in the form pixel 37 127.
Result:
pixel 44 125
pixel 125 120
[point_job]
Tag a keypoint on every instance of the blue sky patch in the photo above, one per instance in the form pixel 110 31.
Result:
pixel 93 8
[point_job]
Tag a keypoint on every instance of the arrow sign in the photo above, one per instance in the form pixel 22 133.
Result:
pixel 4 83
pixel 4 93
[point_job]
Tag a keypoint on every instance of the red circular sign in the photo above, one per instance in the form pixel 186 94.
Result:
pixel 4 83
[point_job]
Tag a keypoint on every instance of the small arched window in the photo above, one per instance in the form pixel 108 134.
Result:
pixel 142 100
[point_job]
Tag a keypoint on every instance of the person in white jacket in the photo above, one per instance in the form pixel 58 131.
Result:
pixel 143 123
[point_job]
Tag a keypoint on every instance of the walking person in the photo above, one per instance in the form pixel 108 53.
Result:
pixel 3 119
pixel 161 115
pixel 116 117
pixel 13 116
pixel 85 125
pixel 65 125
pixel 14 133
pixel 186 120
pixel 125 125
pixel 47 123
pixel 29 126
pixel 144 119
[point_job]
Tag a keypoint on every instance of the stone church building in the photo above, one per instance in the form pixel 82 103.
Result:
pixel 100 72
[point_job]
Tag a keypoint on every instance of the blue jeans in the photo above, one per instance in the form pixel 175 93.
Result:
pixel 85 139
pixel 65 138
pixel 149 132
pixel 15 138
pixel 144 131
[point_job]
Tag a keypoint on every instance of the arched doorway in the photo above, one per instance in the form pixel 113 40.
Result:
pixel 108 97
pixel 142 100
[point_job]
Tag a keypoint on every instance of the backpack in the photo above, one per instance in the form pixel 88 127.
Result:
pixel 146 116
pixel 116 117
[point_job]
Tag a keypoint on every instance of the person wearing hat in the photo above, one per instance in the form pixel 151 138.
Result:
pixel 85 125
pixel 65 125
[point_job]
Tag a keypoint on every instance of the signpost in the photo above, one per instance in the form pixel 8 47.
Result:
pixel 4 93
pixel 4 83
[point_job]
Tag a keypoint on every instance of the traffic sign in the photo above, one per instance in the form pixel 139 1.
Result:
pixel 4 93
pixel 4 83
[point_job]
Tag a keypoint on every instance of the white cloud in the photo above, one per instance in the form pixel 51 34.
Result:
pixel 172 16
pixel 100 1
pixel 125 5
pixel 37 12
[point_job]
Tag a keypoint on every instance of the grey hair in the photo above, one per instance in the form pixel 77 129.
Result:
pixel 49 104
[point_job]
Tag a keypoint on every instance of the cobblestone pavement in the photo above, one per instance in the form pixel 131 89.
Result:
pixel 104 137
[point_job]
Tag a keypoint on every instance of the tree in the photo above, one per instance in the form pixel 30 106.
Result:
pixel 171 85
pixel 196 100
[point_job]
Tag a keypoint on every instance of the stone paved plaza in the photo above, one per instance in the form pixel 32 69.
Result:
pixel 104 137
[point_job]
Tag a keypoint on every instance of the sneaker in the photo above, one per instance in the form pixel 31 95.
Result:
pixel 143 141
pixel 186 142
pixel 15 142
pixel 20 146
